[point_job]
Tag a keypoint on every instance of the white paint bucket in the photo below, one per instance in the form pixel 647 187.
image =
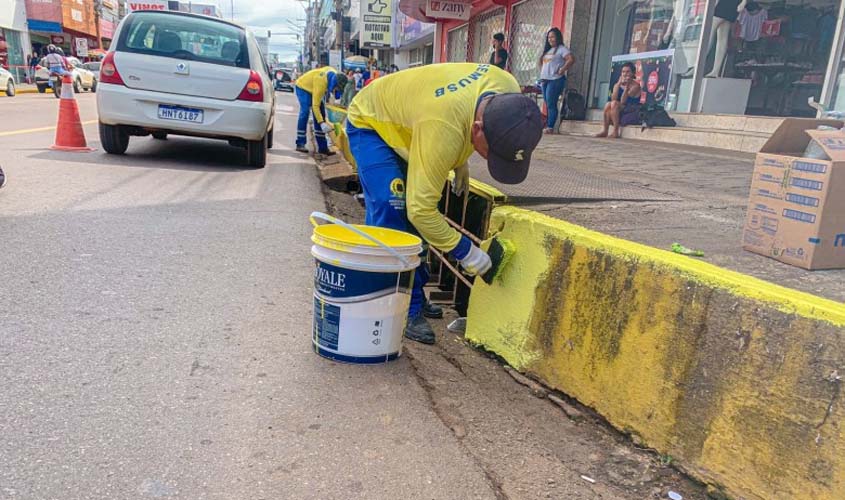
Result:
pixel 363 277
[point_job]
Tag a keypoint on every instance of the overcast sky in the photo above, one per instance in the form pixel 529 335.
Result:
pixel 275 15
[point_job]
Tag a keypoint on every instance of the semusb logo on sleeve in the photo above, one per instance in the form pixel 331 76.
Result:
pixel 466 81
pixel 341 283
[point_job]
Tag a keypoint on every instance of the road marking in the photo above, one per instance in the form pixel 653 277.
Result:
pixel 40 129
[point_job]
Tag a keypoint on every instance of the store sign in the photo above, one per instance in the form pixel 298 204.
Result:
pixel 81 47
pixel 334 58
pixel 377 29
pixel 58 40
pixel 106 29
pixel 149 5
pixel 446 9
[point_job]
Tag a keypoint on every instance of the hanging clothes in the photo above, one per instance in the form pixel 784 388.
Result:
pixel 751 24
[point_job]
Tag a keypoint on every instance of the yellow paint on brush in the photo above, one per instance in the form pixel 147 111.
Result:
pixel 732 376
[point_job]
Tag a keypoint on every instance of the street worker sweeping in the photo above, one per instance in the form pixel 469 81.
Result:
pixel 311 90
pixel 409 130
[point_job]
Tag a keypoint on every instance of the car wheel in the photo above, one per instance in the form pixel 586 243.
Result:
pixel 77 86
pixel 270 139
pixel 10 89
pixel 94 85
pixel 256 152
pixel 114 139
pixel 160 135
pixel 41 88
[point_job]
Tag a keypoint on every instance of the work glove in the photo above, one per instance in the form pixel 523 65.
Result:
pixel 326 128
pixel 460 181
pixel 476 262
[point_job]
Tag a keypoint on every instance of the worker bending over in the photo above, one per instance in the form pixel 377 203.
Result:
pixel 408 130
pixel 311 90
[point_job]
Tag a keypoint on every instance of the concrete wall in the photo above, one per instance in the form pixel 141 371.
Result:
pixel 737 379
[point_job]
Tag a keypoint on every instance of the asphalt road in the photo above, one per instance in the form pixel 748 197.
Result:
pixel 154 333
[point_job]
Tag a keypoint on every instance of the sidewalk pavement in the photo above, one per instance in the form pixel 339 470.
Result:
pixel 656 194
pixel 26 88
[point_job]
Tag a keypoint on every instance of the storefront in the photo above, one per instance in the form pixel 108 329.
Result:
pixel 13 38
pixel 766 59
pixel 524 24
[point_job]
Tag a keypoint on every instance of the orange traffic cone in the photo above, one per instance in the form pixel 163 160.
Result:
pixel 69 133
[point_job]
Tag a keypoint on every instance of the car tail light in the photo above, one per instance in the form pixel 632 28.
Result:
pixel 254 89
pixel 108 71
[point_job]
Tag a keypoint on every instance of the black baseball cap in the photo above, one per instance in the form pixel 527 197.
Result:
pixel 513 127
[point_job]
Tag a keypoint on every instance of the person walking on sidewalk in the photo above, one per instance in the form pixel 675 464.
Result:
pixel 406 147
pixel 555 62
pixel 311 90
pixel 499 56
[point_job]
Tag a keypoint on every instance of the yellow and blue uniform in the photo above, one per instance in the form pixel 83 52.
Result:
pixel 407 131
pixel 311 89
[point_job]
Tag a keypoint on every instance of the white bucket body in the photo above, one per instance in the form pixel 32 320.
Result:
pixel 361 303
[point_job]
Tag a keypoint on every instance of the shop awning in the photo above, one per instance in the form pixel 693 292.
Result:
pixel 44 26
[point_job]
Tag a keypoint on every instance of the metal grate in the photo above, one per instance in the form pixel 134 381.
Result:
pixel 529 24
pixel 456 44
pixel 482 29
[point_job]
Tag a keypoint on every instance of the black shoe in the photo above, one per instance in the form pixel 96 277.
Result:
pixel 419 330
pixel 432 311
pixel 328 153
pixel 2 178
pixel 302 149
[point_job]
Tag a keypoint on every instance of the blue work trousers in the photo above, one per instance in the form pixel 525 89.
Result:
pixel 304 98
pixel 383 175
pixel 552 89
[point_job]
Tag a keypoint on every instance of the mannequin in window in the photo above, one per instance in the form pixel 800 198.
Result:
pixel 726 13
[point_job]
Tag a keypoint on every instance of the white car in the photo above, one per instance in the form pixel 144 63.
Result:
pixel 7 83
pixel 82 78
pixel 176 73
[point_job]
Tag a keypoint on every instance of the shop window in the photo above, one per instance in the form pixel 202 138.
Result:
pixel 782 50
pixel 456 44
pixel 482 29
pixel 635 31
pixel 530 21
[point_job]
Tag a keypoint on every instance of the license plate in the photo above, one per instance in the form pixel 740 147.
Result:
pixel 179 114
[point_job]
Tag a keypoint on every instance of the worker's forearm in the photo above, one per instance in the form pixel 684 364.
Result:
pixel 434 229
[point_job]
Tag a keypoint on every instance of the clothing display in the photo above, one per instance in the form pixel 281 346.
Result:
pixel 751 24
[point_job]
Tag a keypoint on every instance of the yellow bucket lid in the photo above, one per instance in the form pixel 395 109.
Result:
pixel 338 235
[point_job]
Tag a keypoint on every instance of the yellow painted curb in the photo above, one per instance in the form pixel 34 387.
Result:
pixel 736 378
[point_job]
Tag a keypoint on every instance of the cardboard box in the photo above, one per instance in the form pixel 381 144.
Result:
pixel 796 212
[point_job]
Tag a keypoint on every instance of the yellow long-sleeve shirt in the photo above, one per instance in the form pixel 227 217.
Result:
pixel 316 83
pixel 426 114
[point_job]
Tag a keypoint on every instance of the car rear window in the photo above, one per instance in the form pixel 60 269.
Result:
pixel 184 37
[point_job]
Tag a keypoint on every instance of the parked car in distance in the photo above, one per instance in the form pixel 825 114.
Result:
pixel 93 67
pixel 177 73
pixel 83 79
pixel 7 83
pixel 282 80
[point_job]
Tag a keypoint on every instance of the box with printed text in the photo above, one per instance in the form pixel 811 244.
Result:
pixel 796 211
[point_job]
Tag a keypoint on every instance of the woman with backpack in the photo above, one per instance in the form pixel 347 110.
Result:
pixel 554 63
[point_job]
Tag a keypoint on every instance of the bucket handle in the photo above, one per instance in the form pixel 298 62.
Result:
pixel 334 220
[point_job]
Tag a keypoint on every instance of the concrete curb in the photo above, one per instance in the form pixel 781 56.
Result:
pixel 735 378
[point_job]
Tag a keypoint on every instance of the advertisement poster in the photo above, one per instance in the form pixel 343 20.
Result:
pixel 654 72
pixel 411 29
pixel 81 47
pixel 377 19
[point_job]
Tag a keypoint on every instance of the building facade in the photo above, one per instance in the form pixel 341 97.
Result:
pixel 14 39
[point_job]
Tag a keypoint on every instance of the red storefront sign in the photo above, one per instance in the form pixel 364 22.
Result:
pixel 106 29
